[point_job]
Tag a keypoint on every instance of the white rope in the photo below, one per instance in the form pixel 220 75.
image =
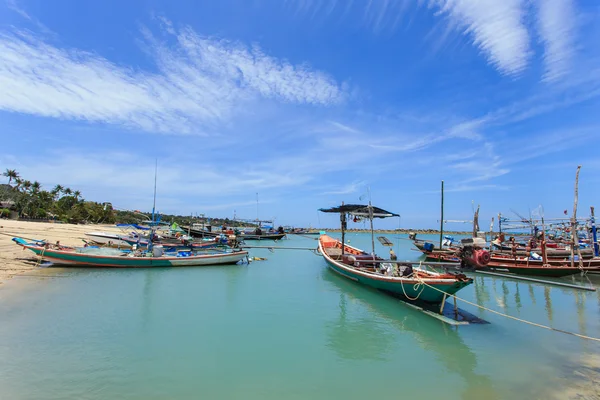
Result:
pixel 515 318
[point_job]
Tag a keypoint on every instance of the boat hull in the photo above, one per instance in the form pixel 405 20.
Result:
pixel 108 239
pixel 555 272
pixel 409 288
pixel 274 236
pixel 71 258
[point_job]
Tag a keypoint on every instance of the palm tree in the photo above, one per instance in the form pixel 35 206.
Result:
pixel 68 191
pixel 11 174
pixel 57 190
pixel 77 194
pixel 18 183
pixel 26 185
pixel 35 187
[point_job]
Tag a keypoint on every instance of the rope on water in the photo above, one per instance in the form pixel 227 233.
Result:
pixel 515 318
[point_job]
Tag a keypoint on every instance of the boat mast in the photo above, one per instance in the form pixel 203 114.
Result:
pixel 442 217
pixel 574 222
pixel 154 203
pixel 153 228
pixel 594 236
pixel 343 223
pixel 372 234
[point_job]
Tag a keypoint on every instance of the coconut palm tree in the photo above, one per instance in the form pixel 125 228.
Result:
pixel 77 194
pixel 18 183
pixel 10 174
pixel 57 190
pixel 36 187
pixel 26 185
pixel 68 192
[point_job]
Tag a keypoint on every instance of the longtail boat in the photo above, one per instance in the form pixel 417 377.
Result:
pixel 264 236
pixel 404 279
pixel 113 258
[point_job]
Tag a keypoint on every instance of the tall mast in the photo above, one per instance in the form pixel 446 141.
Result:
pixel 372 234
pixel 574 221
pixel 343 224
pixel 154 203
pixel 257 207
pixel 442 217
pixel 594 236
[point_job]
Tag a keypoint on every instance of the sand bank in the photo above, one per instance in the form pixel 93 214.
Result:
pixel 14 260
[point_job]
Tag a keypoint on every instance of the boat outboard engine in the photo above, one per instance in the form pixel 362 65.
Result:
pixel 472 253
pixel 412 236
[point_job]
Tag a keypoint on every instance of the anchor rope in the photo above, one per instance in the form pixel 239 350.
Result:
pixel 515 318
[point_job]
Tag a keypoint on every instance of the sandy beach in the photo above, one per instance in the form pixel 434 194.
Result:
pixel 14 260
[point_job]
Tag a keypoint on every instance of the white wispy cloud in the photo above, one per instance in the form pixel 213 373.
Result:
pixel 347 189
pixel 556 25
pixel 497 28
pixel 13 6
pixel 199 84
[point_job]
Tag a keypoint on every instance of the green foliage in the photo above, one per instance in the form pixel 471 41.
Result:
pixel 4 212
pixel 63 204
pixel 67 205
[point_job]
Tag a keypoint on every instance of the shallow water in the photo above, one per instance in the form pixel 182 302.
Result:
pixel 285 328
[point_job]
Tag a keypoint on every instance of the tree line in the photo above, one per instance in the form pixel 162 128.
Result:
pixel 31 200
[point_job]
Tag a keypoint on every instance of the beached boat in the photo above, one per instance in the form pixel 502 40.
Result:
pixel 113 239
pixel 113 258
pixel 404 279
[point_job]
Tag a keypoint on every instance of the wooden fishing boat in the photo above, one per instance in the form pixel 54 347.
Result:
pixel 551 267
pixel 262 236
pixel 112 239
pixel 375 272
pixel 403 279
pixel 113 258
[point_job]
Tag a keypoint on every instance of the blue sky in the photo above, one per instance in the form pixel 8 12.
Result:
pixel 307 103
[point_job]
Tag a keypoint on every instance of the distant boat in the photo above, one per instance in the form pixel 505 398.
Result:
pixel 405 279
pixel 262 236
pixel 101 257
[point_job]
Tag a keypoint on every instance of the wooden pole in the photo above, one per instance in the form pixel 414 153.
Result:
pixel 372 233
pixel 574 221
pixel 594 234
pixel 442 217
pixel 343 223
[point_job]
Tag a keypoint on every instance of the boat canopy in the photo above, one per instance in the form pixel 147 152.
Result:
pixel 360 210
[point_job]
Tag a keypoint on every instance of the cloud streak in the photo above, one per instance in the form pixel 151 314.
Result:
pixel 199 84
pixel 496 27
pixel 556 25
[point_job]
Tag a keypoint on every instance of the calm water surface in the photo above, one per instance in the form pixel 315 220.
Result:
pixel 285 328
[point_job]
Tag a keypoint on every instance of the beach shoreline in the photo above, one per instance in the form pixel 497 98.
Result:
pixel 14 260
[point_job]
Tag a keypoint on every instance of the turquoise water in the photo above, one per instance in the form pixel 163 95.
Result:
pixel 284 328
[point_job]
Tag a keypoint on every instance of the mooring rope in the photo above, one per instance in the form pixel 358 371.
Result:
pixel 515 318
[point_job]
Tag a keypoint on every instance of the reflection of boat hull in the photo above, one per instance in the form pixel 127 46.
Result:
pixel 73 256
pixel 266 236
pixel 408 287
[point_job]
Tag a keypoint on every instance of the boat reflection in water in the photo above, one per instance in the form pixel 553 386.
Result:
pixel 346 335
